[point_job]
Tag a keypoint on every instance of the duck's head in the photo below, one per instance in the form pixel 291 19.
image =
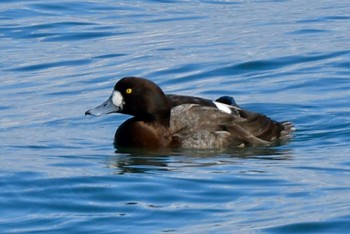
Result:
pixel 137 97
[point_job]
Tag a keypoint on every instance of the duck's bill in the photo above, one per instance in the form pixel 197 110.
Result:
pixel 105 108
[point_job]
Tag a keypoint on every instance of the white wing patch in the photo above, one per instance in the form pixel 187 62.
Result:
pixel 223 107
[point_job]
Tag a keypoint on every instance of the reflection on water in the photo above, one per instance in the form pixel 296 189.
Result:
pixel 139 161
pixel 134 163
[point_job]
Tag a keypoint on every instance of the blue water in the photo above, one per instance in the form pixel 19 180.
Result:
pixel 59 172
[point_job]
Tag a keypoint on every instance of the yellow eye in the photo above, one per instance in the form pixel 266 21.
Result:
pixel 128 91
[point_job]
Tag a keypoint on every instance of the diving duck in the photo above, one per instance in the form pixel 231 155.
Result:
pixel 177 121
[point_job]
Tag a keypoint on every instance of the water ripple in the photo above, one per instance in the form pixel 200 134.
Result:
pixel 60 172
pixel 54 64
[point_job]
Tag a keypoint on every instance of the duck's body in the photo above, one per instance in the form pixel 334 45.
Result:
pixel 173 121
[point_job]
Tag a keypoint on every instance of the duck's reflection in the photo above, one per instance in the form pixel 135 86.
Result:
pixel 143 161
pixel 139 161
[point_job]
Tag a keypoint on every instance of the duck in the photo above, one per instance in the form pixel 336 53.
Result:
pixel 162 120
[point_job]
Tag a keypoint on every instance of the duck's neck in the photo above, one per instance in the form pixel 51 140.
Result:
pixel 162 118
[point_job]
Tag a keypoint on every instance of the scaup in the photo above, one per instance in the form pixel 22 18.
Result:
pixel 167 121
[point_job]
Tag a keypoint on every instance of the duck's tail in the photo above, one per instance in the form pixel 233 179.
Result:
pixel 288 129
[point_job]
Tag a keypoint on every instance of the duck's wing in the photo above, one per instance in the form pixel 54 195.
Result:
pixel 208 127
pixel 264 127
pixel 193 116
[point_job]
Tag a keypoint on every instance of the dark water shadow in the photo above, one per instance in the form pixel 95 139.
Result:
pixel 335 225
pixel 147 161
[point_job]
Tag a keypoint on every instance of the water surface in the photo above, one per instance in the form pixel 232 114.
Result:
pixel 59 171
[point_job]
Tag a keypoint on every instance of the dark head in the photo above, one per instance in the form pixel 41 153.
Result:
pixel 137 97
